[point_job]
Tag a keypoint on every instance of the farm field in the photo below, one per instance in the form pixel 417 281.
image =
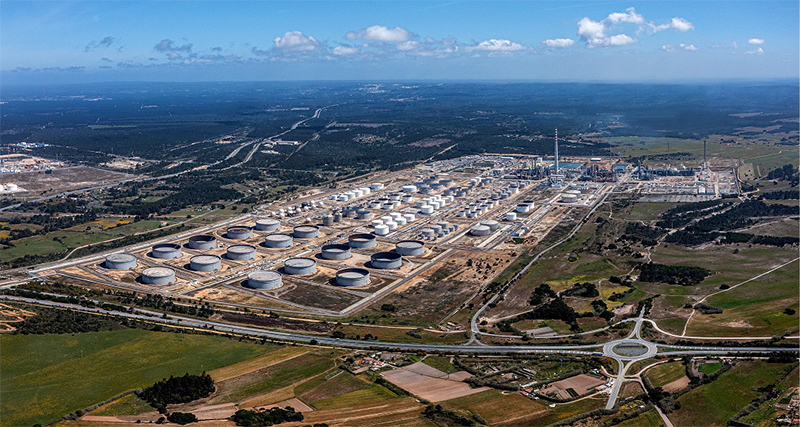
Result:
pixel 647 419
pixel 666 373
pixel 48 376
pixel 728 394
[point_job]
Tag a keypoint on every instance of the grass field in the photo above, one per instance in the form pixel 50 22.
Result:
pixel 496 407
pixel 647 419
pixel 765 414
pixel 48 376
pixel 727 395
pixel 441 363
pixel 648 211
pixel 374 393
pixel 666 373
pixel 710 368
pixel 128 405
pixel 755 308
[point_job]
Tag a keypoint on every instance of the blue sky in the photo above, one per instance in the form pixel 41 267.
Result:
pixel 84 41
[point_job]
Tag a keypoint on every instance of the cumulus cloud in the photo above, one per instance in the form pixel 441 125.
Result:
pixel 682 46
pixel 382 33
pixel 168 45
pixel 94 44
pixel 343 50
pixel 610 31
pixel 496 45
pixel 558 42
pixel 294 41
pixel 409 45
pixel 676 23
pixel 756 41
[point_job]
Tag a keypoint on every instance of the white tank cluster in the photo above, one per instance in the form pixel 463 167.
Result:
pixel 335 252
pixel 241 252
pixel 492 224
pixel 9 187
pixel 351 277
pixel 205 263
pixel 352 194
pixel 166 251
pixel 525 206
pixel 158 276
pixel 278 241
pixel 570 196
pixel 120 261
pixel 299 266
pixel 264 279
pixel 239 232
pixel 268 224
pixel 430 204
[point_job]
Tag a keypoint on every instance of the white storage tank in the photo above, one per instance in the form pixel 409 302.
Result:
pixel 120 261
pixel 239 233
pixel 205 263
pixel 386 260
pixel 362 241
pixel 511 216
pixel 300 266
pixel 426 209
pixel 410 247
pixel 241 252
pixel 264 279
pixel 335 252
pixel 352 277
pixel 306 232
pixel 166 251
pixel 479 230
pixel 381 230
pixel 158 276
pixel 202 242
pixel 278 241
pixel 267 224
pixel 492 224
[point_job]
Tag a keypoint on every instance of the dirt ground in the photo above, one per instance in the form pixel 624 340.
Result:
pixel 62 179
pixel 582 384
pixel 676 385
pixel 429 383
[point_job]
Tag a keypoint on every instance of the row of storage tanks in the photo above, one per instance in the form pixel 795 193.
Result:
pixel 484 228
pixel 440 229
pixel 388 223
pixel 355 193
pixel 296 209
pixel 430 204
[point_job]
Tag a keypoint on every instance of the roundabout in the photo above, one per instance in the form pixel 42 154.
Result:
pixel 629 349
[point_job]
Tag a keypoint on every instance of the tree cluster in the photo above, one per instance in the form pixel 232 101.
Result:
pixel 268 417
pixel 177 390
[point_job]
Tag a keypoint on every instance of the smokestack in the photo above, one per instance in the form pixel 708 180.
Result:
pixel 705 162
pixel 556 151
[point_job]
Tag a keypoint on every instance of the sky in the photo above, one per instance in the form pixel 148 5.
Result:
pixel 630 41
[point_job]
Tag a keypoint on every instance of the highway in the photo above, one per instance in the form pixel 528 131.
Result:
pixel 608 349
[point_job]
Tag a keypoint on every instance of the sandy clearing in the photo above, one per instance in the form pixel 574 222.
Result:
pixel 293 402
pixel 424 369
pixel 430 388
pixel 676 385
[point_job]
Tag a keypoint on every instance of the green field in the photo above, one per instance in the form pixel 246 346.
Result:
pixel 666 373
pixel 715 403
pixel 47 376
pixel 710 368
pixel 374 393
pixel 647 419
pixel 441 363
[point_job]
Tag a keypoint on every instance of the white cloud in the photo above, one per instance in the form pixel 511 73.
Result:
pixel 409 45
pixel 676 23
pixel 496 45
pixel 682 46
pixel 619 40
pixel 559 42
pixel 756 41
pixel 345 50
pixel 758 51
pixel 382 33
pixel 629 16
pixel 295 41
pixel 591 30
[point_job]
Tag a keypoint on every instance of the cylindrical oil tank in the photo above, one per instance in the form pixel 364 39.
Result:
pixel 511 216
pixel 264 279
pixel 410 248
pixel 205 263
pixel 386 260
pixel 362 241
pixel 335 252
pixel 381 230
pixel 158 276
pixel 409 189
pixel 239 233
pixel 337 217
pixel 120 261
pixel 364 215
pixel 523 208
pixel 350 277
pixel 306 232
pixel 166 251
pixel 426 209
pixel 492 224
pixel 327 220
pixel 267 224
pixel 409 217
pixel 428 232
pixel 480 230
pixel 241 252
pixel 569 198
pixel 300 266
pixel 202 242
pixel 392 225
pixel 278 241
